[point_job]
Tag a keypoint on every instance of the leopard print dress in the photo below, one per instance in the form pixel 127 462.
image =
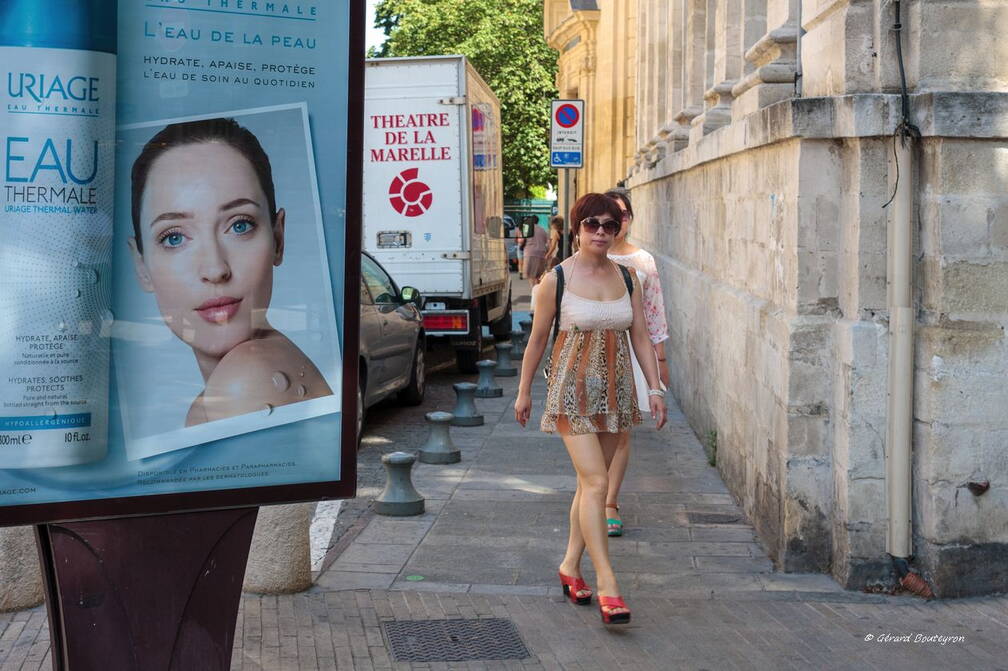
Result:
pixel 591 386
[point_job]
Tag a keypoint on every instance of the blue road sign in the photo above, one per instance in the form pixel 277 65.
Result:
pixel 567 115
pixel 565 159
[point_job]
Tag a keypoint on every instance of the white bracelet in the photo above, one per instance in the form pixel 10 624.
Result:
pixel 656 392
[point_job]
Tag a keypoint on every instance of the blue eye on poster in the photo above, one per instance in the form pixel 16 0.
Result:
pixel 177 232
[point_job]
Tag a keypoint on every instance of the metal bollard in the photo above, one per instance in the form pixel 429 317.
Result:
pixel 526 327
pixel 504 366
pixel 399 498
pixel 465 413
pixel 485 385
pixel 518 340
pixel 439 448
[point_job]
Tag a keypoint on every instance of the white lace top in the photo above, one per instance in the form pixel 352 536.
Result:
pixel 584 314
pixel 654 303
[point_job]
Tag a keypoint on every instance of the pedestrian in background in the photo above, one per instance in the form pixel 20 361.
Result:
pixel 590 400
pixel 554 249
pixel 535 254
pixel 627 254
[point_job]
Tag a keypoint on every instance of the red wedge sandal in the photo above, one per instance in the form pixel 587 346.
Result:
pixel 613 602
pixel 571 587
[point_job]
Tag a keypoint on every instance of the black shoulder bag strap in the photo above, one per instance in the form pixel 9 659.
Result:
pixel 559 297
pixel 626 278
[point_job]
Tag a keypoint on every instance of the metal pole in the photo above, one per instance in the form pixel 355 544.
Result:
pixel 562 175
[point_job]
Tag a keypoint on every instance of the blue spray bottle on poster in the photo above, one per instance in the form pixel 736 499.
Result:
pixel 57 137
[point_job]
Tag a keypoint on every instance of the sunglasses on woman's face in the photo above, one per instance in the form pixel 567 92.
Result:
pixel 592 224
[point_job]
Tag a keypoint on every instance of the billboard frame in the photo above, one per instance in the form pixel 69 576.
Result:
pixel 345 487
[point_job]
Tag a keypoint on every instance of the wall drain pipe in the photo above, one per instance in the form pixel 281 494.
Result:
pixel 899 271
pixel 899 426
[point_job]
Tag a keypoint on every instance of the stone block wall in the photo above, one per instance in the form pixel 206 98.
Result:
pixel 749 291
pixel 859 371
pixel 770 235
pixel 961 359
pixel 762 167
pixel 761 187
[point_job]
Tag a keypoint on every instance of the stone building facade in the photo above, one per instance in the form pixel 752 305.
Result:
pixel 762 165
pixel 598 63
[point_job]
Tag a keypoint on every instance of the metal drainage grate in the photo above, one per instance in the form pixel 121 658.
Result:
pixel 454 640
pixel 714 518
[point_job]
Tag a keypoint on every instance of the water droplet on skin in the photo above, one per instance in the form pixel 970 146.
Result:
pixel 77 293
pixel 302 391
pixel 301 374
pixel 61 326
pixel 267 409
pixel 93 276
pixel 281 381
pixel 76 264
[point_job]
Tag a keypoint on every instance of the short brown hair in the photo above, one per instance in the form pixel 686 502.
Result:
pixel 592 205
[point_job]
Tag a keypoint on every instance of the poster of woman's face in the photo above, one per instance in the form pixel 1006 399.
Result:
pixel 229 326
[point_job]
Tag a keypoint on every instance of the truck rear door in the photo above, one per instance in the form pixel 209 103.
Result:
pixel 414 203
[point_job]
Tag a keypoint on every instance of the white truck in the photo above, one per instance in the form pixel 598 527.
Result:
pixel 433 200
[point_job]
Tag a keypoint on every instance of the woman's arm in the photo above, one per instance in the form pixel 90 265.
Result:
pixel 551 248
pixel 643 349
pixel 654 314
pixel 663 372
pixel 543 312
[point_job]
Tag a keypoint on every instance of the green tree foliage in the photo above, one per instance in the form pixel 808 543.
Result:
pixel 503 39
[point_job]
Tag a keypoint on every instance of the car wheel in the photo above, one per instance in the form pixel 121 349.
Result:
pixel 413 394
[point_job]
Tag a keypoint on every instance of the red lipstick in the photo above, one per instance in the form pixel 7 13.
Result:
pixel 219 310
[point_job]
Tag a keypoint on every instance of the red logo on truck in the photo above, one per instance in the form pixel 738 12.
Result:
pixel 408 195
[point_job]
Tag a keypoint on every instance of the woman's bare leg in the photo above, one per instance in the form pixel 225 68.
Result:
pixel 571 564
pixel 590 453
pixel 617 471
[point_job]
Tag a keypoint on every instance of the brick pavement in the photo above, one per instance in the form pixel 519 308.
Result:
pixel 704 596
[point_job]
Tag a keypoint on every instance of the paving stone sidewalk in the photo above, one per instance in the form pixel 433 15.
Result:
pixel 703 593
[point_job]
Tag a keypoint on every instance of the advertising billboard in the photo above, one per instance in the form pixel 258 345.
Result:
pixel 181 214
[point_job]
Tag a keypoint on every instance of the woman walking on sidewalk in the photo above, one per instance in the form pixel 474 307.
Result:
pixel 590 398
pixel 632 256
pixel 554 248
pixel 535 253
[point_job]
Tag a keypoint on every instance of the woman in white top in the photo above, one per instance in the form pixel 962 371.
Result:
pixel 627 254
pixel 590 399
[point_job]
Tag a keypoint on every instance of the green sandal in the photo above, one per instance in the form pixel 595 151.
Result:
pixel 615 527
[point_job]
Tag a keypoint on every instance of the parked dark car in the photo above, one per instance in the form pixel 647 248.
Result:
pixel 392 341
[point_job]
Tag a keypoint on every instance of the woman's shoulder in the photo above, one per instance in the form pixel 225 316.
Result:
pixel 259 372
pixel 632 256
pixel 641 259
pixel 549 278
pixel 627 271
pixel 566 265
